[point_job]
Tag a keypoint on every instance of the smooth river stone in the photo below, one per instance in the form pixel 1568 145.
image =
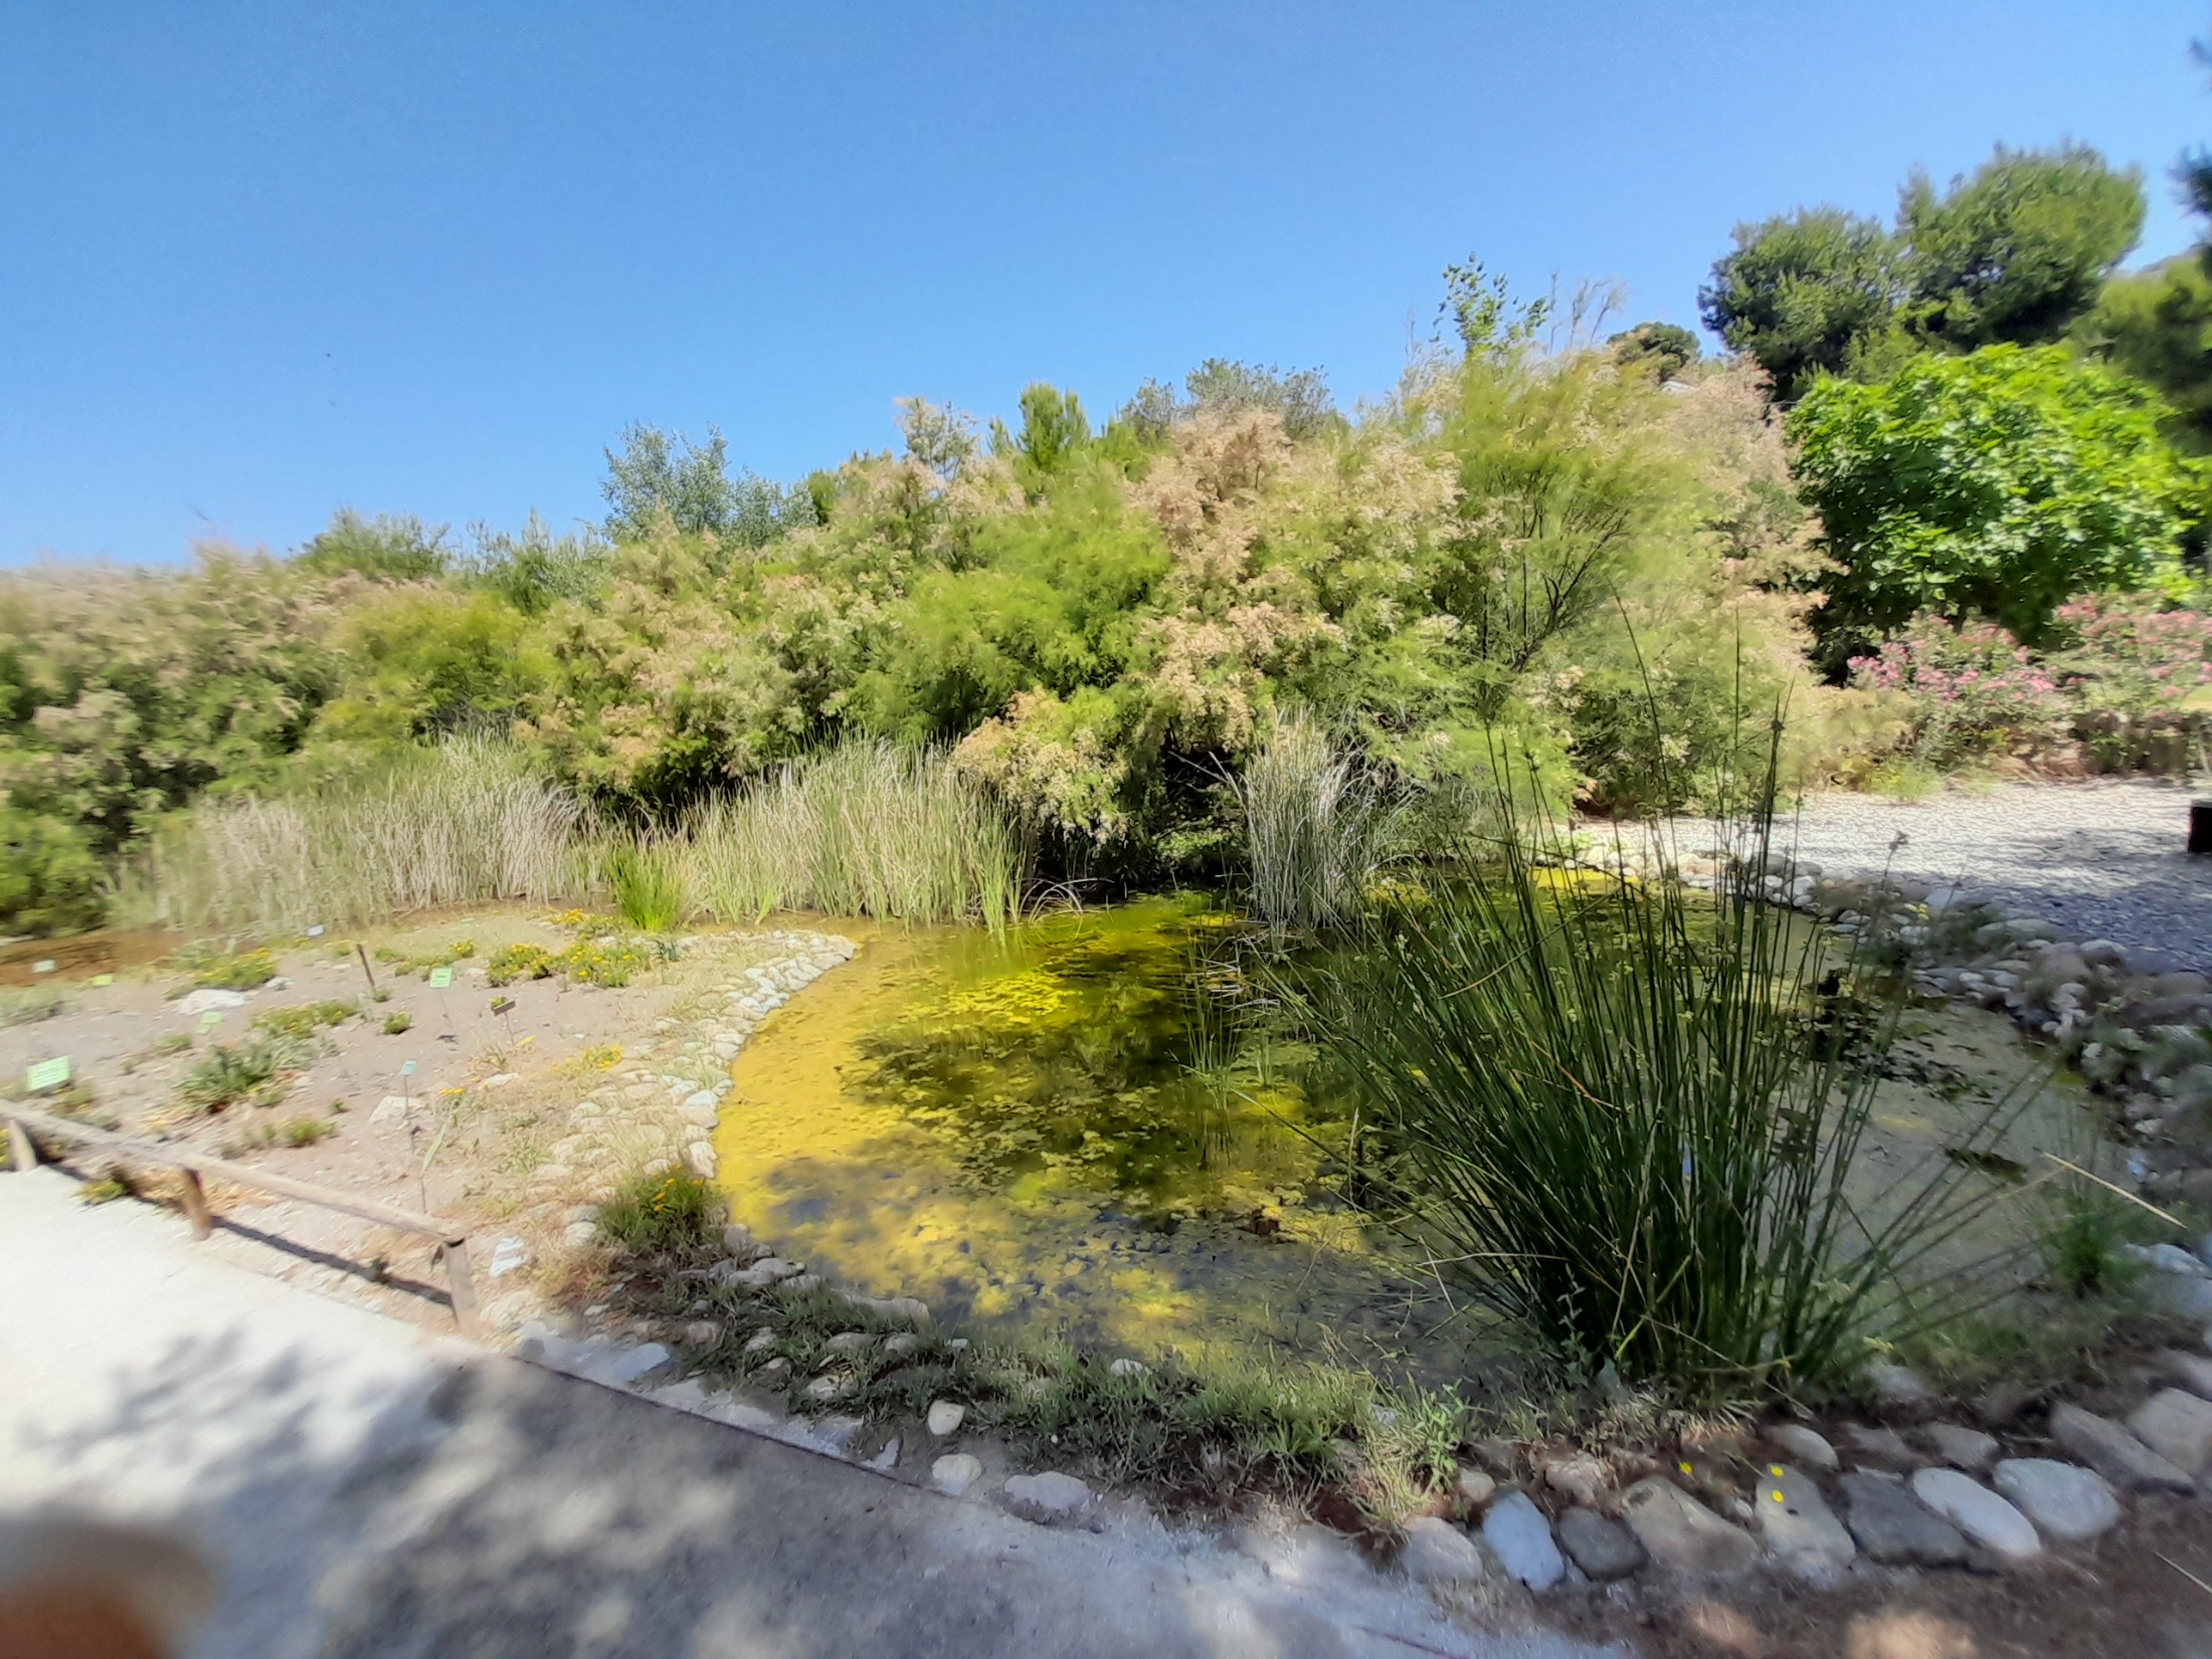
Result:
pixel 1602 1548
pixel 2065 1501
pixel 1800 1527
pixel 2114 1453
pixel 1894 1527
pixel 1979 1513
pixel 1678 1531
pixel 2178 1426
pixel 1438 1552
pixel 1516 1531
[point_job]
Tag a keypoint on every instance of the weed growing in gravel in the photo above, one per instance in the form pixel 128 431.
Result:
pixel 397 1022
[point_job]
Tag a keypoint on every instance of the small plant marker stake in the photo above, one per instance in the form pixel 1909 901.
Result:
pixel 47 1074
pixel 361 951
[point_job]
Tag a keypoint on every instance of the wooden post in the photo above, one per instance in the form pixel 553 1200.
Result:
pixel 196 1204
pixel 20 1148
pixel 462 1286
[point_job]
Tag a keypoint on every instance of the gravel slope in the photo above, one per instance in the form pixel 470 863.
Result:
pixel 2102 860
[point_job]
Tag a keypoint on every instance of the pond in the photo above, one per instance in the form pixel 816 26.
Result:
pixel 1084 1129
pixel 1094 1129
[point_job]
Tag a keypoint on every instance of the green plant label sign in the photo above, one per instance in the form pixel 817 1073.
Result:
pixel 210 1019
pixel 103 979
pixel 407 1070
pixel 47 1074
pixel 441 978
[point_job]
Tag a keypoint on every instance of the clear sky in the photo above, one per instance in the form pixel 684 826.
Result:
pixel 261 260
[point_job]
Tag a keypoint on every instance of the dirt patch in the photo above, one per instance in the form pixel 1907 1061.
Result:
pixel 446 1098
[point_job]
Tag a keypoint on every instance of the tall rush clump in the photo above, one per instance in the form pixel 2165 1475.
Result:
pixel 1624 1113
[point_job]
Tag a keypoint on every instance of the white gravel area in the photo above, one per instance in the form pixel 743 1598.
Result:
pixel 2106 859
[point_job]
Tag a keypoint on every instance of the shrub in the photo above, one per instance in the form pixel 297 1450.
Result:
pixel 1973 689
pixel 305 1131
pixel 394 1024
pixel 307 1019
pixel 1999 484
pixel 245 970
pixel 2132 656
pixel 659 1212
pixel 231 1072
pixel 1624 1116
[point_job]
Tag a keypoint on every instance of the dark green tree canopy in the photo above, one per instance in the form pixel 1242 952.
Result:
pixel 1801 294
pixel 1665 348
pixel 2017 250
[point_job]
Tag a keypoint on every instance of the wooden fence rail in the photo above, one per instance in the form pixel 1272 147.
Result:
pixel 453 1245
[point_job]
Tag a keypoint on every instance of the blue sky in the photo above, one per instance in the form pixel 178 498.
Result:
pixel 262 260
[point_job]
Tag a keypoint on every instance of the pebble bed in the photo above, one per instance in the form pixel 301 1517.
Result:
pixel 2105 859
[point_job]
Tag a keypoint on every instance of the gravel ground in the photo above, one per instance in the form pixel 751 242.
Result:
pixel 2101 860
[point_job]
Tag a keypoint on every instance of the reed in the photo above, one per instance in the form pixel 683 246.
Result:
pixel 1625 1114
pixel 866 828
pixel 1317 825
pixel 462 824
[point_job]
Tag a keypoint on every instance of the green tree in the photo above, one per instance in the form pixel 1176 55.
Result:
pixel 2157 325
pixel 1999 483
pixel 2017 250
pixel 1804 294
pixel 656 478
pixel 390 547
pixel 1665 348
pixel 1054 431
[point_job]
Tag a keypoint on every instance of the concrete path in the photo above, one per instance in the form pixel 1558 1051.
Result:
pixel 366 1491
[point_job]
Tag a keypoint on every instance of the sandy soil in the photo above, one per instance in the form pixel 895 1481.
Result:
pixel 455 1116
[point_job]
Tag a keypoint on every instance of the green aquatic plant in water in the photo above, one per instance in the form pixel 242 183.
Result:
pixel 1625 1115
pixel 1109 1052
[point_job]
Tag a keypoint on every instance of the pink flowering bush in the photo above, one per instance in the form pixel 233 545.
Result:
pixel 2129 657
pixel 1974 688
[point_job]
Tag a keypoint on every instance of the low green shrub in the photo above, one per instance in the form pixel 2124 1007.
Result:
pixel 30 1005
pixel 231 1072
pixel 243 970
pixel 397 1022
pixel 306 1019
pixel 609 962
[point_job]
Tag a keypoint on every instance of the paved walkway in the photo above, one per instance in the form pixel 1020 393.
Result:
pixel 369 1492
